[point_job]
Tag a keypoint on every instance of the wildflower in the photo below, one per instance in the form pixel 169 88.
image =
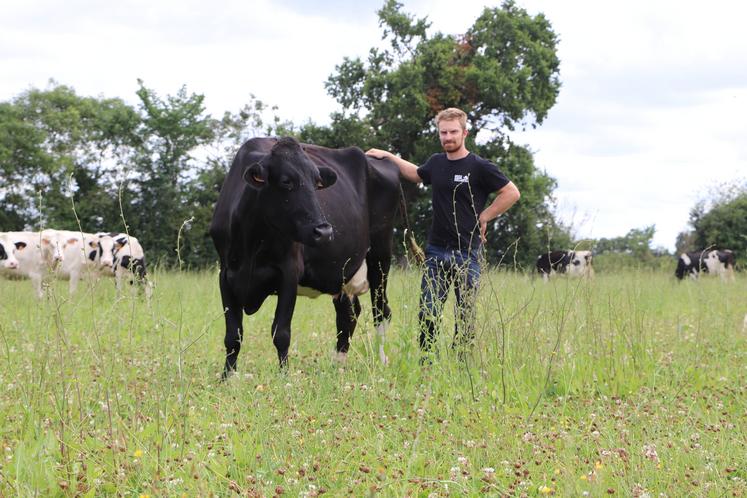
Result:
pixel 454 473
pixel 545 490
pixel 584 477
pixel 260 387
pixel 598 465
pixel 649 451
pixel 138 453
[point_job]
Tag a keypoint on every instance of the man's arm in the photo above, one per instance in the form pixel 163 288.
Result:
pixel 407 169
pixel 507 197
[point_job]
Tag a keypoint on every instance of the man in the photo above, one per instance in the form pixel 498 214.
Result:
pixel 461 183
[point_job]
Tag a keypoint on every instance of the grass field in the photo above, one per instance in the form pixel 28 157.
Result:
pixel 631 384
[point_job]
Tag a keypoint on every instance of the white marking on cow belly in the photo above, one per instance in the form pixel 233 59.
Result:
pixel 685 259
pixel 308 292
pixel 714 265
pixel 359 283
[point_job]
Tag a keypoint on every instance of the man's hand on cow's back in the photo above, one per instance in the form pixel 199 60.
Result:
pixel 377 153
pixel 407 170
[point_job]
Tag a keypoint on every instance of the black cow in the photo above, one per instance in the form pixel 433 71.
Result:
pixel 292 218
pixel 573 262
pixel 710 261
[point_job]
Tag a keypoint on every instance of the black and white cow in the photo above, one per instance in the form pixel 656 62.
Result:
pixel 36 254
pixel 78 255
pixel 713 261
pixel 576 263
pixel 301 219
pixel 124 256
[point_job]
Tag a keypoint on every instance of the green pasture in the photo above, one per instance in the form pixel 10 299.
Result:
pixel 631 384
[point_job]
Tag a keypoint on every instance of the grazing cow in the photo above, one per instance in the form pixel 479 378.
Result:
pixel 576 263
pixel 80 256
pixel 124 256
pixel 301 219
pixel 715 262
pixel 35 253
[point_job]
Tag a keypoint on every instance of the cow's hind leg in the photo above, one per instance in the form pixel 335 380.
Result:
pixel 378 273
pixel 347 310
pixel 232 312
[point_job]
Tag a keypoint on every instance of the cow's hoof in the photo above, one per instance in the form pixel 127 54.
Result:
pixel 341 357
pixel 227 375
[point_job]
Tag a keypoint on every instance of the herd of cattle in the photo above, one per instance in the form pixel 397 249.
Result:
pixel 71 255
pixel 692 264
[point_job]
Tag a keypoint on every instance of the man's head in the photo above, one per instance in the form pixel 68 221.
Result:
pixel 452 128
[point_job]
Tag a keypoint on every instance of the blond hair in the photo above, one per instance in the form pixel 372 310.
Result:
pixel 450 114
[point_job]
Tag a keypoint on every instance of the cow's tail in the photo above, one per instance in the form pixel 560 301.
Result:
pixel 415 250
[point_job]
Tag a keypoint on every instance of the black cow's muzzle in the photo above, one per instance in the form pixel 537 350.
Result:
pixel 322 233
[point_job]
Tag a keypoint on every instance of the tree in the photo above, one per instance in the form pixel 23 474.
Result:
pixel 503 72
pixel 720 223
pixel 637 243
pixel 58 149
pixel 633 250
pixel 171 130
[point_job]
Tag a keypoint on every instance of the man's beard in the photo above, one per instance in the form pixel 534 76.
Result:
pixel 451 146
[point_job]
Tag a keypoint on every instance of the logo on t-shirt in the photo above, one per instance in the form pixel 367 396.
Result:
pixel 461 178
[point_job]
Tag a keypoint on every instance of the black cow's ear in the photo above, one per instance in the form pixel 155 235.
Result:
pixel 256 175
pixel 329 177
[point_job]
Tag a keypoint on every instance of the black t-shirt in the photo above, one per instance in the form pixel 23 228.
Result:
pixel 459 191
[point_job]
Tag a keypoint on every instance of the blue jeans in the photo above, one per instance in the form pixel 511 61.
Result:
pixel 444 267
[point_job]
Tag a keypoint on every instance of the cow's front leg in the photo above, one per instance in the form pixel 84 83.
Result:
pixel 74 278
pixel 234 326
pixel 347 310
pixel 281 325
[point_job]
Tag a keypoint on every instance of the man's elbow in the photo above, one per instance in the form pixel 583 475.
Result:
pixel 512 193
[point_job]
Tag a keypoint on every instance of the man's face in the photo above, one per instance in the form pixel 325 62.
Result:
pixel 451 135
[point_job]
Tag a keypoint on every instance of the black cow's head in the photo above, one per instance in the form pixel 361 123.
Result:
pixel 287 180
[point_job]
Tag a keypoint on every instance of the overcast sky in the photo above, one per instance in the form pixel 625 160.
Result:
pixel 652 113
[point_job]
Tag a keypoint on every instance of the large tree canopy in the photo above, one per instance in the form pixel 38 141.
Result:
pixel 503 72
pixel 720 222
